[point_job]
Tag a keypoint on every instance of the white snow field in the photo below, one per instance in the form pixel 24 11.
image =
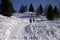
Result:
pixel 9 27
pixel 19 28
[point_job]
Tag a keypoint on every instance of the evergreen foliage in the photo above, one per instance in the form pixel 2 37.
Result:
pixel 23 8
pixel 55 11
pixel 31 9
pixel 50 14
pixel 39 10
pixel 6 8
pixel 0 8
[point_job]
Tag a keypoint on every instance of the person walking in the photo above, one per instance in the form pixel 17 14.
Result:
pixel 33 20
pixel 30 21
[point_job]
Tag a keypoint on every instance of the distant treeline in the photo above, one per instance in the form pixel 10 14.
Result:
pixel 6 9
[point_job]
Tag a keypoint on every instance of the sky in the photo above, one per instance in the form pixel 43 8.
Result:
pixel 36 3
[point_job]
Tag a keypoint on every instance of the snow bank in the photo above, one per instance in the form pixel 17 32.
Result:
pixel 5 27
pixel 14 28
pixel 9 26
pixel 6 21
pixel 23 14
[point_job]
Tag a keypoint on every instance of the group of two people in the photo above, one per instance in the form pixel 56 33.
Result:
pixel 32 20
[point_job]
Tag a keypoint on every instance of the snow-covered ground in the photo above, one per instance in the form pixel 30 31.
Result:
pixel 18 28
pixel 9 27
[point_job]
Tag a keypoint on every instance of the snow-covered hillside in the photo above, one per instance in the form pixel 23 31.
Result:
pixel 46 30
pixel 9 26
pixel 18 28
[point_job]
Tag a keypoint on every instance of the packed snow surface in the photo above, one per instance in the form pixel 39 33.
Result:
pixel 14 28
pixel 9 27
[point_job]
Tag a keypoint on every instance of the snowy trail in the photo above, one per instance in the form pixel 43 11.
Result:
pixel 41 31
pixel 18 28
pixel 46 31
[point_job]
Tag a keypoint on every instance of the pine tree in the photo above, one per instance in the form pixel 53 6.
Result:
pixel 7 8
pixel 12 9
pixel 50 14
pixel 23 8
pixel 39 10
pixel 0 8
pixel 59 9
pixel 31 9
pixel 46 9
pixel 55 11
